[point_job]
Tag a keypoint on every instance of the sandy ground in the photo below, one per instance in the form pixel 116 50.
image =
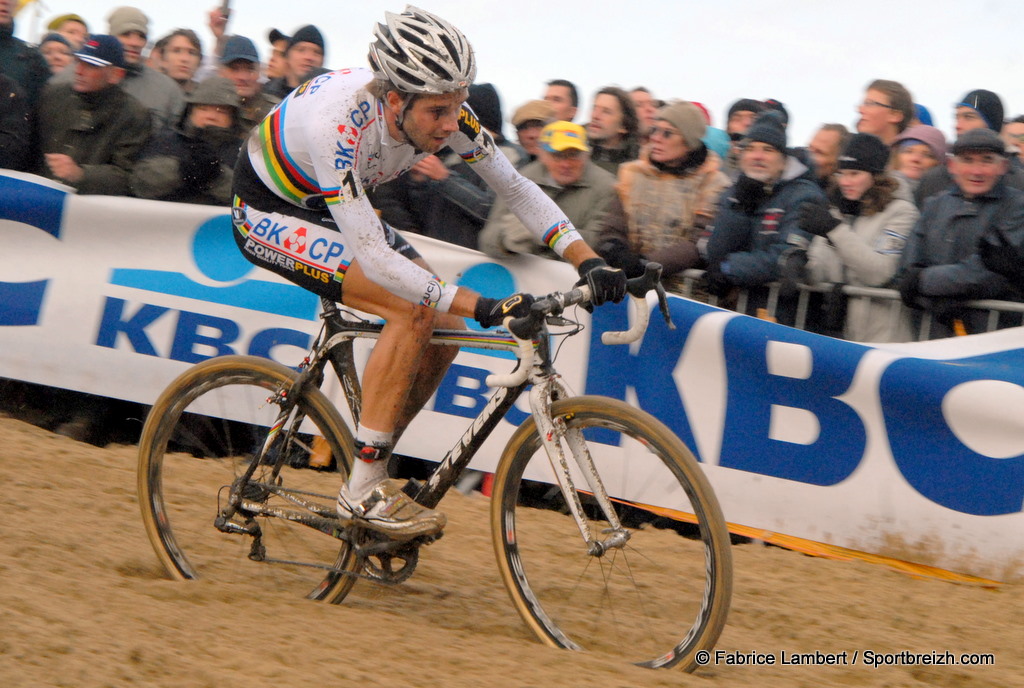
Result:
pixel 84 602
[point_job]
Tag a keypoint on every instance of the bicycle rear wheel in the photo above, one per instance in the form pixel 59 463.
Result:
pixel 655 600
pixel 200 436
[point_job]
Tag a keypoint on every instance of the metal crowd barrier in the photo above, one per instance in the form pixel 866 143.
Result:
pixel 897 311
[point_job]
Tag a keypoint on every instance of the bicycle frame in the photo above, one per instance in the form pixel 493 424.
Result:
pixel 547 387
pixel 339 335
pixel 335 345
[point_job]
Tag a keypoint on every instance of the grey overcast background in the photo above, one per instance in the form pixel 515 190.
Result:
pixel 815 57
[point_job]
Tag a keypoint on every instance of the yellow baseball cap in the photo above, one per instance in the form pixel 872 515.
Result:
pixel 562 136
pixel 57 21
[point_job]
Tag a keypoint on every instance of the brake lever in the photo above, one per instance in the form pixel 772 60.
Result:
pixel 663 305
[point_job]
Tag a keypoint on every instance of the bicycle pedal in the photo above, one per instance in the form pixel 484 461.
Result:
pixel 412 487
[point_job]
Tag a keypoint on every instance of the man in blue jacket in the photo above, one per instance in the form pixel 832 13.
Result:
pixel 756 239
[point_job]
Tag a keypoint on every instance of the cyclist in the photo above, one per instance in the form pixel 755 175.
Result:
pixel 300 210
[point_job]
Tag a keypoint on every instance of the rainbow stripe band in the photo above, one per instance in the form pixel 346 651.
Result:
pixel 556 232
pixel 287 176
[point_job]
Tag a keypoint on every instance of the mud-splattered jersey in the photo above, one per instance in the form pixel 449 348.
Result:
pixel 328 141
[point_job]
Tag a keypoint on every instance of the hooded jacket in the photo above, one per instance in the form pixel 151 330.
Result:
pixel 748 246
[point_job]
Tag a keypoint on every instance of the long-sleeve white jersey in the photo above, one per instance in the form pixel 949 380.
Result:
pixel 328 140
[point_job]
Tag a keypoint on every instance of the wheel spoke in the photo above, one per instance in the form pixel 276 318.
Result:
pixel 200 439
pixel 646 599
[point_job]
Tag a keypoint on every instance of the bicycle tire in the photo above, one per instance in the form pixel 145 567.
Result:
pixel 200 435
pixel 655 602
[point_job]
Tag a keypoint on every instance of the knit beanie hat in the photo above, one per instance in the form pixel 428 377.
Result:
pixel 307 34
pixel 687 118
pixel 56 37
pixel 924 115
pixel 745 105
pixel 768 129
pixel 772 104
pixel 922 133
pixel 988 105
pixel 125 19
pixel 483 99
pixel 865 152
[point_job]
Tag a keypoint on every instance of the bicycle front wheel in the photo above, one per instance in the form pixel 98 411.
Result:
pixel 200 437
pixel 653 591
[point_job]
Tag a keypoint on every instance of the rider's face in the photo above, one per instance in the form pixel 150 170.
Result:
pixel 431 119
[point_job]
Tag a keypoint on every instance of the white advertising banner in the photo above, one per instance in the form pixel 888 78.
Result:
pixel 914 451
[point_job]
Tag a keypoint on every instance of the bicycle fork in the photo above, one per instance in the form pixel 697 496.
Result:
pixel 552 432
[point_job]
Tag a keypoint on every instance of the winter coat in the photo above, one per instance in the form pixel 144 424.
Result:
pixel 660 215
pixel 187 165
pixel 453 210
pixel 584 203
pixel 864 251
pixel 15 126
pixel 103 132
pixel 23 63
pixel 255 108
pixel 749 246
pixel 945 242
pixel 611 158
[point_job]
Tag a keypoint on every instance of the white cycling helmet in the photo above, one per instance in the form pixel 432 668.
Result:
pixel 419 52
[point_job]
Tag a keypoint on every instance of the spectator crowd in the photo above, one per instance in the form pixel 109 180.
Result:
pixel 894 204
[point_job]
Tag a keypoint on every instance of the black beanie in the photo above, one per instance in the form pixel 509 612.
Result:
pixel 772 104
pixel 307 34
pixel 768 129
pixel 988 105
pixel 483 99
pixel 865 152
pixel 746 105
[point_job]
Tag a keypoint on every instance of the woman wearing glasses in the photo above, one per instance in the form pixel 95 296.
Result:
pixel 665 199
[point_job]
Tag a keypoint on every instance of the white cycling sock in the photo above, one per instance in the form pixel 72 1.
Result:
pixel 365 474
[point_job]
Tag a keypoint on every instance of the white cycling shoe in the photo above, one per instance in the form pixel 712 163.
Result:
pixel 390 511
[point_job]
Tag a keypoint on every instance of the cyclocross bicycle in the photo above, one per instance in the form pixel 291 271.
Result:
pixel 607 534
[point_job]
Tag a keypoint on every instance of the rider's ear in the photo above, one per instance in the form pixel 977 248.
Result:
pixel 395 100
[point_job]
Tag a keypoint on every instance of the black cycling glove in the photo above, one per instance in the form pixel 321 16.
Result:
pixel 491 312
pixel 606 283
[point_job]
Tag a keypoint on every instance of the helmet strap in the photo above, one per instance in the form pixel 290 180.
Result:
pixel 400 117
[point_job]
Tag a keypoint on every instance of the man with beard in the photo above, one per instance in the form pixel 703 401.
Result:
pixel 91 130
pixel 194 162
pixel 756 238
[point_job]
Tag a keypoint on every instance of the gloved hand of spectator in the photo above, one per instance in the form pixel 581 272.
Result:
pixel 201 164
pixel 716 281
pixel 606 283
pixel 619 255
pixel 1002 257
pixel 490 312
pixel 749 194
pixel 792 271
pixel 815 218
pixel 910 285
